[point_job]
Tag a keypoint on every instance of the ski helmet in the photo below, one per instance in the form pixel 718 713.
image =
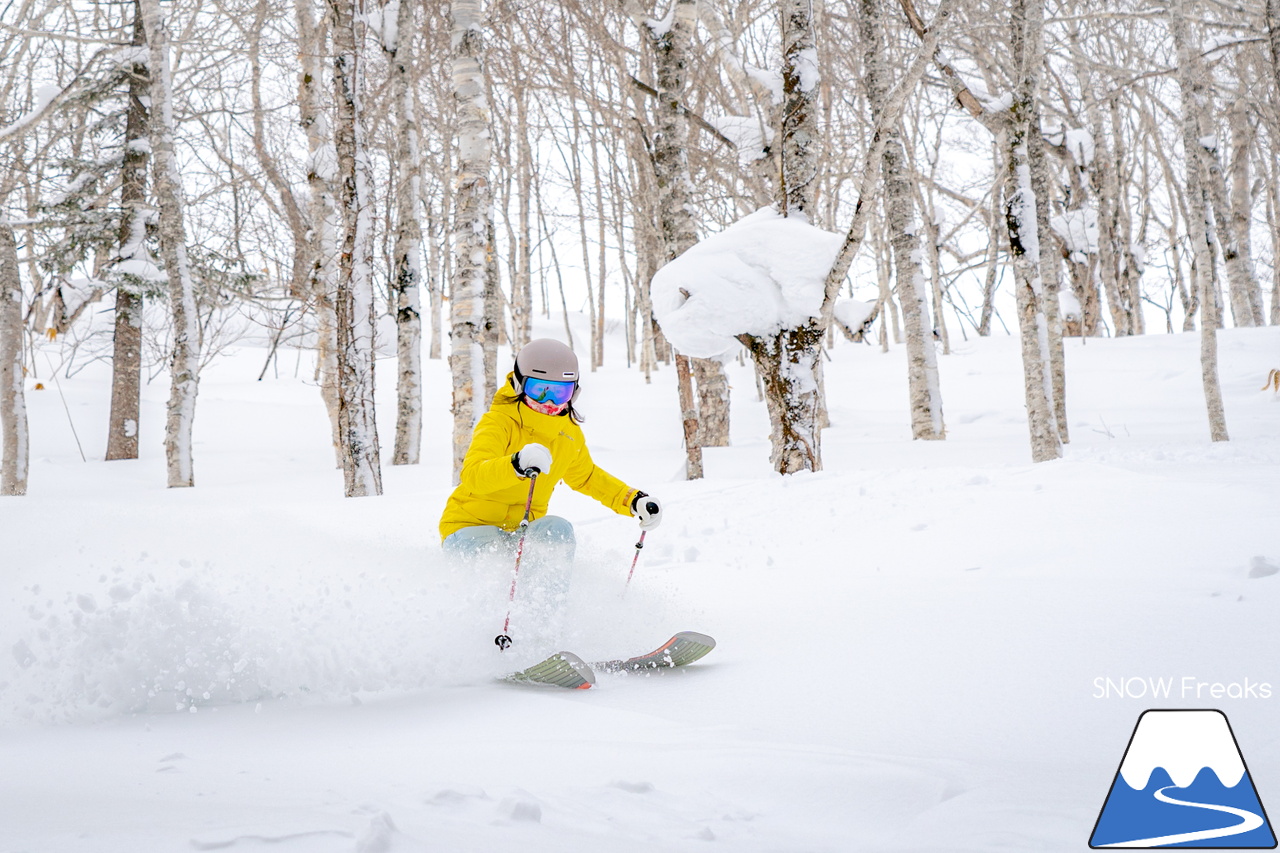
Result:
pixel 546 358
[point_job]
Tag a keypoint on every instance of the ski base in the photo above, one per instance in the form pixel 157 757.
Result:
pixel 682 649
pixel 563 669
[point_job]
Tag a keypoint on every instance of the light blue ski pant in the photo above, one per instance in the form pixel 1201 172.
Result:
pixel 548 535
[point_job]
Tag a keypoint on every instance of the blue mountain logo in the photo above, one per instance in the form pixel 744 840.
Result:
pixel 1183 783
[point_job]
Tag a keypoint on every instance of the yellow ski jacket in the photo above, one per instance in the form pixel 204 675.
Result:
pixel 491 492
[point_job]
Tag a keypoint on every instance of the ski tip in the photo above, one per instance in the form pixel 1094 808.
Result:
pixel 696 637
pixel 562 669
pixel 581 669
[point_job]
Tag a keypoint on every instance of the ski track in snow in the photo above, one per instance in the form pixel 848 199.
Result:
pixel 907 641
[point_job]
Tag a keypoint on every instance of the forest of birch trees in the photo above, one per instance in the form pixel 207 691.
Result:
pixel 415 180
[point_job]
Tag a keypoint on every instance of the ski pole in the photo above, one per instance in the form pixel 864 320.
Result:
pixel 652 508
pixel 503 640
pixel 634 560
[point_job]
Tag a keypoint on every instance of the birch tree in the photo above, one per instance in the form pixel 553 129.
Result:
pixel 184 359
pixel 671 40
pixel 1022 219
pixel 922 360
pixel 406 275
pixel 354 302
pixel 14 437
pixel 472 226
pixel 787 362
pixel 322 209
pixel 1202 169
pixel 126 357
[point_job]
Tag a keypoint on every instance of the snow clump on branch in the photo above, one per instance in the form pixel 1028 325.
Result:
pixel 764 273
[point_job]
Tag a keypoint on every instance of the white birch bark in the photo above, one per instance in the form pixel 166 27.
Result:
pixel 1242 212
pixel 14 435
pixel 1199 164
pixel 522 273
pixel 1273 211
pixel 799 132
pixel 126 355
pixel 672 41
pixel 1024 238
pixel 406 277
pixel 471 227
pixel 1050 268
pixel 354 302
pixel 1235 257
pixel 1130 272
pixel 184 361
pixel 322 211
pixel 922 364
pixel 1272 20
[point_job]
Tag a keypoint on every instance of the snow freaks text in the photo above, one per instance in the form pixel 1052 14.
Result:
pixel 1186 687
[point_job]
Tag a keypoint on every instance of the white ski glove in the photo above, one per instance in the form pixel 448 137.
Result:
pixel 648 509
pixel 531 458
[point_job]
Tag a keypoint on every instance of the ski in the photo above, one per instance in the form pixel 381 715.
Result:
pixel 684 648
pixel 563 669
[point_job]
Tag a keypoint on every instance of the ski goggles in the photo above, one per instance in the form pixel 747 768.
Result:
pixel 548 391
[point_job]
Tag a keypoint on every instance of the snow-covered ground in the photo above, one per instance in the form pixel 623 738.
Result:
pixel 914 645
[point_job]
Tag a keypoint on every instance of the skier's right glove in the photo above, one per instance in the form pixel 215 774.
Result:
pixel 532 458
pixel 648 509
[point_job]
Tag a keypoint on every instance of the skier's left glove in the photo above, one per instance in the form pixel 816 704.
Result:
pixel 648 509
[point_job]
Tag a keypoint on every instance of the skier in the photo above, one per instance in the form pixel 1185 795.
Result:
pixel 532 427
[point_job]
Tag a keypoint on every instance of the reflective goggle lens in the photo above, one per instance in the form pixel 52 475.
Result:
pixel 548 391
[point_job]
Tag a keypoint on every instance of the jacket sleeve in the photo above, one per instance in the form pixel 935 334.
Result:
pixel 592 480
pixel 487 466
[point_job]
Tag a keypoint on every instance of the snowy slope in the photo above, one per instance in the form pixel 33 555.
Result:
pixel 910 643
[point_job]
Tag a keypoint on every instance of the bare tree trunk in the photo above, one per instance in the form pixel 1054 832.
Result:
pixel 1242 212
pixel 522 278
pixel 1192 81
pixel 1050 270
pixel 491 330
pixel 1022 222
pixel 1235 254
pixel 440 261
pixel 798 136
pixel 472 217
pixel 1130 272
pixel 406 277
pixel 993 252
pixel 671 171
pixel 1273 204
pixel 322 212
pixel 648 244
pixel 126 356
pixel 713 402
pixel 14 437
pixel 354 303
pixel 184 361
pixel 922 365
pixel 787 363
pixel 1273 42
